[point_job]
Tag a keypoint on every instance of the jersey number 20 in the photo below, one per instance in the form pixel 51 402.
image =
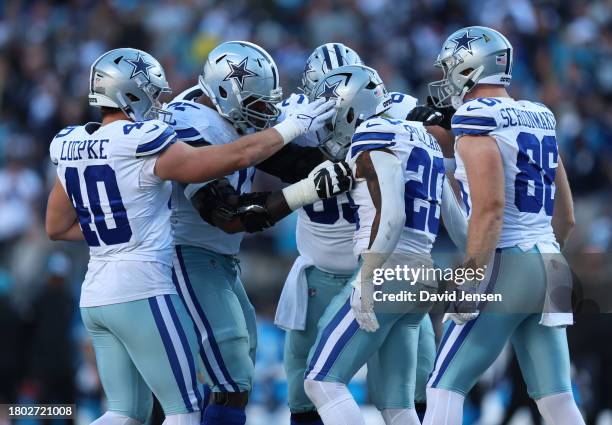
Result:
pixel 422 194
pixel 95 174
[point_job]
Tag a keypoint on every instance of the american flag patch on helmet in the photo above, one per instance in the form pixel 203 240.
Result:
pixel 501 59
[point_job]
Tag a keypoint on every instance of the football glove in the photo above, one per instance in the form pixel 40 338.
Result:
pixel 459 318
pixel 425 114
pixel 363 309
pixel 331 179
pixel 306 118
pixel 253 213
pixel 447 113
pixel 324 181
pixel 462 312
pixel 216 200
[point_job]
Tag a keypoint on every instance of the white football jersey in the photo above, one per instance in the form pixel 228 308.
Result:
pixel 525 134
pixel 324 231
pixel 122 206
pixel 423 166
pixel 199 125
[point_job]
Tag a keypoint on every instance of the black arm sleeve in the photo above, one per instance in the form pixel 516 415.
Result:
pixel 292 163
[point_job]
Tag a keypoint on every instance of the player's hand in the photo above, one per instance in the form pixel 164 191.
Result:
pixel 253 213
pixel 306 118
pixel 462 312
pixel 460 318
pixel 447 112
pixel 425 114
pixel 331 179
pixel 364 310
pixel 217 201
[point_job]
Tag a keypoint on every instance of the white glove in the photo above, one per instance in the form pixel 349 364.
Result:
pixel 309 117
pixel 363 310
pixel 460 318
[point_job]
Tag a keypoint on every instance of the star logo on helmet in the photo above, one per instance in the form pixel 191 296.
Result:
pixel 464 42
pixel 140 65
pixel 239 72
pixel 329 90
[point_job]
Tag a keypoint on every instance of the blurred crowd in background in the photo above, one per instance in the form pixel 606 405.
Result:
pixel 563 57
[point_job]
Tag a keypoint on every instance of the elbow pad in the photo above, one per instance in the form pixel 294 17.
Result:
pixel 392 210
pixel 455 220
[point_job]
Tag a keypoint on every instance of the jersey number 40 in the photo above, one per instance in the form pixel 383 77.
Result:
pixel 95 174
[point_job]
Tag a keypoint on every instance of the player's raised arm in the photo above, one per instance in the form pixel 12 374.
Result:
pixel 485 174
pixel 563 216
pixel 187 164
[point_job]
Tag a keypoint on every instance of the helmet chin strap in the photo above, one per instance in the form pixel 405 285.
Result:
pixel 126 108
pixel 472 80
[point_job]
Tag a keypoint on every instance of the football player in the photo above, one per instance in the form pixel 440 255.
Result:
pixel 236 95
pixel 398 166
pixel 326 262
pixel 519 201
pixel 112 191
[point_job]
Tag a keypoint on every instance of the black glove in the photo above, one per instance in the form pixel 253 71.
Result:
pixel 253 213
pixel 331 179
pixel 446 111
pixel 425 114
pixel 218 200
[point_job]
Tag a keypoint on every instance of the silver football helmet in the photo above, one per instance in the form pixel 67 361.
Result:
pixel 361 94
pixel 241 79
pixel 130 80
pixel 324 59
pixel 470 56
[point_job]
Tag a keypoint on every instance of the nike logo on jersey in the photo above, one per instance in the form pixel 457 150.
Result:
pixel 372 124
pixel 470 108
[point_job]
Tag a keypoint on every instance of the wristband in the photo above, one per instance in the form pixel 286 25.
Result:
pixel 299 194
pixel 288 129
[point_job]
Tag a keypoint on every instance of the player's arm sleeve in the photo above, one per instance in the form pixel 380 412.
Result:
pixel 292 163
pixel 156 138
pixel 455 220
pixel 388 170
pixel 382 172
pixel 475 119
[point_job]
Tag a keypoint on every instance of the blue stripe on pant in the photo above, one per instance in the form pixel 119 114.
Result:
pixel 185 343
pixel 456 344
pixel 197 331
pixel 210 352
pixel 326 337
pixel 171 351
